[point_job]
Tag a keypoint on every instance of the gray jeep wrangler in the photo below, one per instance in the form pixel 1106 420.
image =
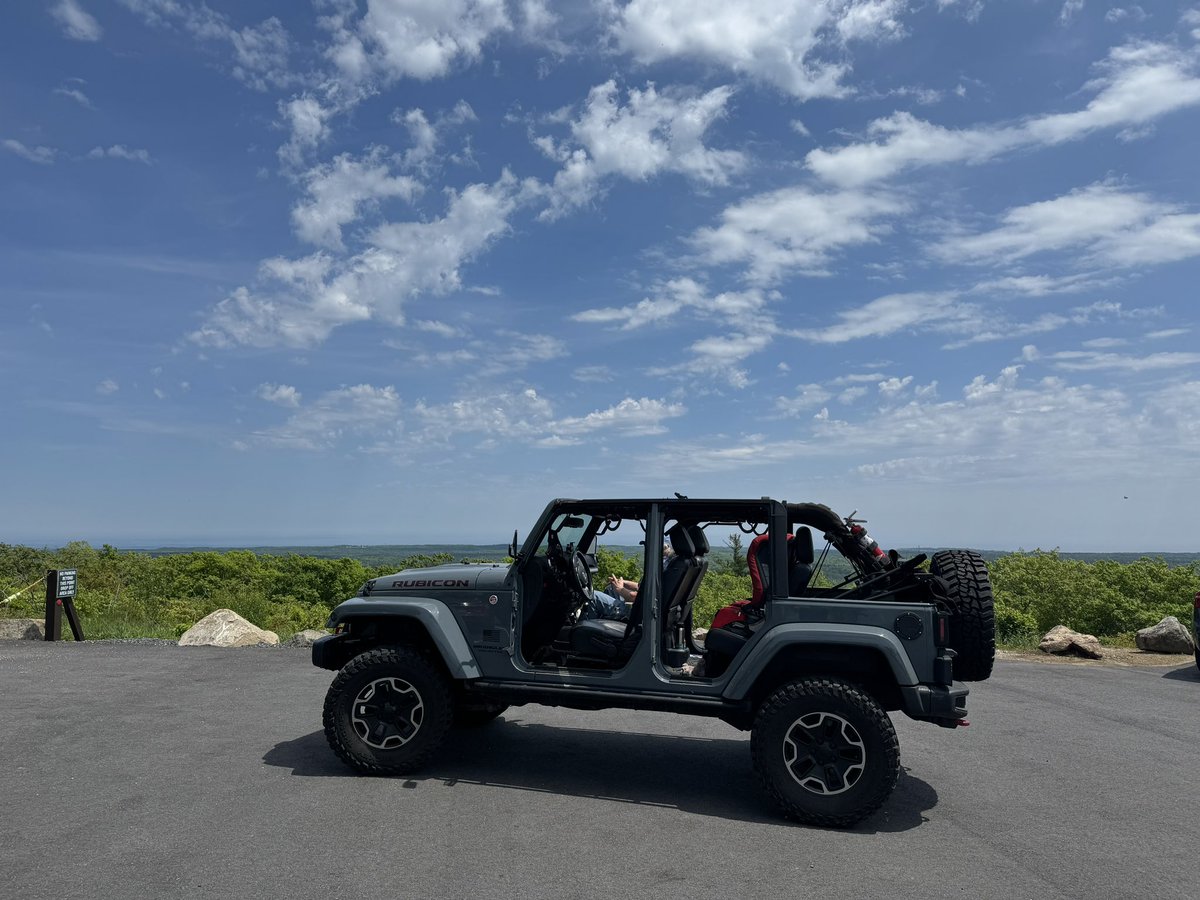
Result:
pixel 811 671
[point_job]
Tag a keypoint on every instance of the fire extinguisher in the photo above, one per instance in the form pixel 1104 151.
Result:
pixel 870 545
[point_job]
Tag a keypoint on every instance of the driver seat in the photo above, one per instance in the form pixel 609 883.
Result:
pixel 615 641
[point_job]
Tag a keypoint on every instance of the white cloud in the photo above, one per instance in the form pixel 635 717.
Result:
pixel 120 151
pixel 790 44
pixel 76 94
pixel 43 156
pixel 504 414
pixel 1138 83
pixel 308 122
pixel 1041 285
pixel 338 191
pixel 259 53
pixel 426 136
pixel 76 22
pixel 420 39
pixel 718 357
pixel 673 297
pixel 1166 333
pixel 300 301
pixel 886 315
pixel 806 397
pixel 1090 360
pixel 794 229
pixel 891 388
pixel 349 411
pixel 1133 13
pixel 655 132
pixel 107 386
pixel 1068 11
pixel 1191 19
pixel 1107 224
pixel 629 418
pixel 593 374
pixel 282 394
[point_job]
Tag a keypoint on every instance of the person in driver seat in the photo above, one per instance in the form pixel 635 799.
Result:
pixel 627 589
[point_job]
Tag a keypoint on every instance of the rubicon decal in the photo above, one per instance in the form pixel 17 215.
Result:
pixel 432 582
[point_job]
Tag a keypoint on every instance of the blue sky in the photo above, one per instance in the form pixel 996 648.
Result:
pixel 386 272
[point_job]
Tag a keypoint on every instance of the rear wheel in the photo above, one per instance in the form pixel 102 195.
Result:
pixel 387 711
pixel 825 751
pixel 973 617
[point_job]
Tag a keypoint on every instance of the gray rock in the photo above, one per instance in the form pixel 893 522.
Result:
pixel 1062 640
pixel 305 638
pixel 225 628
pixel 1168 636
pixel 21 630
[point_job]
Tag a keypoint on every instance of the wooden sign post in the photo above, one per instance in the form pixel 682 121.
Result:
pixel 61 585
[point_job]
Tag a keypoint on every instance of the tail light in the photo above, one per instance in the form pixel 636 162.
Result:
pixel 941 628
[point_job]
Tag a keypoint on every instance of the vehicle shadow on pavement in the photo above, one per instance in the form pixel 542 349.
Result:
pixel 704 776
pixel 1187 673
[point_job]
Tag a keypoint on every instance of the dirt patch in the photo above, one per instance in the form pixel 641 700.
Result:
pixel 1113 656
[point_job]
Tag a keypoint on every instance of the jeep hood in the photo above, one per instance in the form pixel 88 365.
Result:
pixel 451 577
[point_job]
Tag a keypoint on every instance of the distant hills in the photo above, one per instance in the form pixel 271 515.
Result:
pixel 382 554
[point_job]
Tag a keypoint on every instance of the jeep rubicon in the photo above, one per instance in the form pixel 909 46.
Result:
pixel 811 671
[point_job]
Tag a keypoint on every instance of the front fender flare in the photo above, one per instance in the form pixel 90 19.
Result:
pixel 435 615
pixel 850 636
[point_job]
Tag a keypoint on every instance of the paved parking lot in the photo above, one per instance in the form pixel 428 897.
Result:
pixel 134 770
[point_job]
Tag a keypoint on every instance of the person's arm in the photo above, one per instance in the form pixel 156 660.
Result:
pixel 623 587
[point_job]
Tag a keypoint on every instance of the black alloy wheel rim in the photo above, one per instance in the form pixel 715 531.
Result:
pixel 824 753
pixel 387 713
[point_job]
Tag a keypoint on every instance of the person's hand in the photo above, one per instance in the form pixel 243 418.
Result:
pixel 617 584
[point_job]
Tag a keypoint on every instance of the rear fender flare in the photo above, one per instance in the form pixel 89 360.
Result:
pixel 850 636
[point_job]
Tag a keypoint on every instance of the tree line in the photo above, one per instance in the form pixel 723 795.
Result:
pixel 126 594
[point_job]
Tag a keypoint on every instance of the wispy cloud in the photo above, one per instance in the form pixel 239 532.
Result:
pixel 75 21
pixel 43 156
pixel 1137 84
pixel 120 151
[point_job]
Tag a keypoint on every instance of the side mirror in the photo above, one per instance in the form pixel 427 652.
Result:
pixel 512 548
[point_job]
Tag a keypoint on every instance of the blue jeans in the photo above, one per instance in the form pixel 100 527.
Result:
pixel 604 606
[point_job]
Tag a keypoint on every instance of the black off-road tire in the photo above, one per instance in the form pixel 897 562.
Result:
pixel 474 715
pixel 420 688
pixel 813 724
pixel 973 619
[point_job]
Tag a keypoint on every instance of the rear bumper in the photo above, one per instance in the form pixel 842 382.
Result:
pixel 939 703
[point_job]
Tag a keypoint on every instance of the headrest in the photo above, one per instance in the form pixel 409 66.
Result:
pixel 699 539
pixel 760 568
pixel 802 547
pixel 681 541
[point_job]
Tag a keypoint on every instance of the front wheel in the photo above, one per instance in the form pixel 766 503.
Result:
pixel 825 751
pixel 387 711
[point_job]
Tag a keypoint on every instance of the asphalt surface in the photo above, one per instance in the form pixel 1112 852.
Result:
pixel 146 771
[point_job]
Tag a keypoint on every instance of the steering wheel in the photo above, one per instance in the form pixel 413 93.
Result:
pixel 571 566
pixel 583 575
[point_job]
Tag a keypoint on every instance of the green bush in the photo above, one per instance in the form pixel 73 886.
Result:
pixel 136 595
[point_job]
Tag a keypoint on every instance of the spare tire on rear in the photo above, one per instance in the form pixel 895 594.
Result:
pixel 973 617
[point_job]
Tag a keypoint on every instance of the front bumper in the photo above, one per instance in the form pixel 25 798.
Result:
pixel 332 651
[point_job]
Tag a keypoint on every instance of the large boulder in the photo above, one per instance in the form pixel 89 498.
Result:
pixel 225 628
pixel 21 630
pixel 305 638
pixel 1168 636
pixel 1062 640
